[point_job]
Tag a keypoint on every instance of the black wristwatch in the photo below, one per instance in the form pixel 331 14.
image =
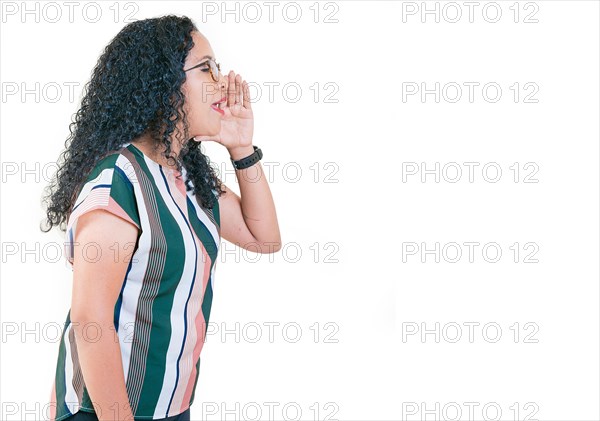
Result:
pixel 248 161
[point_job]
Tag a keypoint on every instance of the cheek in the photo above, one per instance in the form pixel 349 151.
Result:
pixel 196 106
pixel 200 115
pixel 194 98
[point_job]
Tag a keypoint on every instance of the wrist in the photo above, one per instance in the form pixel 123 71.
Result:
pixel 240 152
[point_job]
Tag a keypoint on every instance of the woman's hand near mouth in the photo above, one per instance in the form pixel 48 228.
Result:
pixel 237 122
pixel 251 216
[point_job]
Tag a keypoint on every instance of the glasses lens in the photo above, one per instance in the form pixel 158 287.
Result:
pixel 214 70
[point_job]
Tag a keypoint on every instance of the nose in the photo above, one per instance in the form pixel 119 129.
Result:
pixel 222 82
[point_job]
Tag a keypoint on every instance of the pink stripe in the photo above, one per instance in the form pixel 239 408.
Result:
pixel 195 337
pixel 181 187
pixel 200 327
pixel 196 324
pixel 100 200
pixel 115 208
pixel 95 199
pixel 53 402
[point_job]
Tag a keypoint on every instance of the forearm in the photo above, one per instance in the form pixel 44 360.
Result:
pixel 100 358
pixel 258 207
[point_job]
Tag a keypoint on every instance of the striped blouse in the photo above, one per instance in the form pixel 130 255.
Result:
pixel 163 309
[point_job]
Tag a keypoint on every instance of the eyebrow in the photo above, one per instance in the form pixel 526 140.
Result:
pixel 202 58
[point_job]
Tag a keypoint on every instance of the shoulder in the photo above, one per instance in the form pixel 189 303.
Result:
pixel 109 185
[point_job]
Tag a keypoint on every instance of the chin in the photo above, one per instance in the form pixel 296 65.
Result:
pixel 216 130
pixel 213 133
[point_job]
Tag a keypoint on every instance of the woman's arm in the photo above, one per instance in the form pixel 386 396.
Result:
pixel 250 221
pixel 98 273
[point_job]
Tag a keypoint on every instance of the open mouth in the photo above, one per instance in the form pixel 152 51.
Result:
pixel 219 105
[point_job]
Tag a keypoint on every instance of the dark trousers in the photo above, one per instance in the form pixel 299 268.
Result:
pixel 88 416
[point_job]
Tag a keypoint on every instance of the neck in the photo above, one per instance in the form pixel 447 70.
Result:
pixel 154 150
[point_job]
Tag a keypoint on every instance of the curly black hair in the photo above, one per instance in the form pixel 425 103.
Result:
pixel 135 90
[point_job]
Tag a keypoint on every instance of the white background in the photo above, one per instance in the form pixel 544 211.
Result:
pixel 353 218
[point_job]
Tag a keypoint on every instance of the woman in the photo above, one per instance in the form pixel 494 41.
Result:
pixel 144 215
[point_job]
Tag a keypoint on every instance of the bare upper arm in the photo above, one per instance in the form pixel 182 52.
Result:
pixel 103 246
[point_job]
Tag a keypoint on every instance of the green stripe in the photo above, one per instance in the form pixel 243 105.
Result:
pixel 60 385
pixel 216 213
pixel 202 232
pixel 122 192
pixel 207 303
pixel 160 334
pixel 103 164
pixel 86 401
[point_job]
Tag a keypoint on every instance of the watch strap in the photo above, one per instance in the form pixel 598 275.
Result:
pixel 248 161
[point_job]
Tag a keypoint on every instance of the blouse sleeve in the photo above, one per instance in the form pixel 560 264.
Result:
pixel 106 187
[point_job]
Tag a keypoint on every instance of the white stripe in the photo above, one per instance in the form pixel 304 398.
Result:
pixel 105 177
pixel 180 296
pixel 187 361
pixel 133 285
pixel 71 398
pixel 212 228
pixel 212 275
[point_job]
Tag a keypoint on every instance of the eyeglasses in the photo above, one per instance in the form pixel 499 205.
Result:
pixel 213 67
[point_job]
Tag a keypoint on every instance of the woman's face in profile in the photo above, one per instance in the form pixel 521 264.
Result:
pixel 201 91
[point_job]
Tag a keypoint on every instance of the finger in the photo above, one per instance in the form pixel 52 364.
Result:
pixel 238 89
pixel 246 96
pixel 230 88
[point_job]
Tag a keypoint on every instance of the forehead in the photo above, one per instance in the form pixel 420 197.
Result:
pixel 200 49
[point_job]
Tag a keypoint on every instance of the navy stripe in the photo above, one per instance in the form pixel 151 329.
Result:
pixel 119 302
pixel 189 294
pixel 211 247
